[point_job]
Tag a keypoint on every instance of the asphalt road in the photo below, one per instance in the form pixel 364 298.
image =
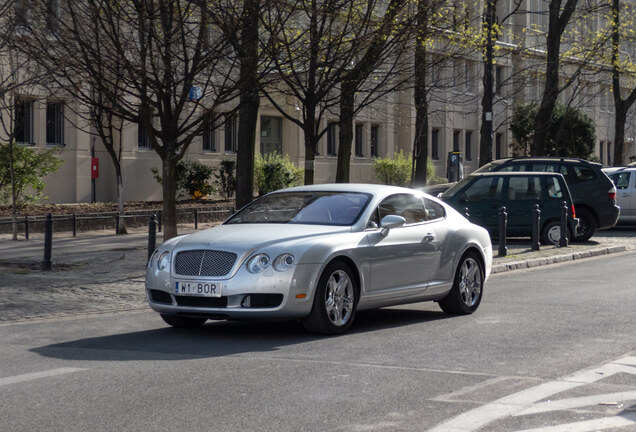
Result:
pixel 548 347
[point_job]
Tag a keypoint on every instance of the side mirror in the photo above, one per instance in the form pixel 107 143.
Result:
pixel 391 221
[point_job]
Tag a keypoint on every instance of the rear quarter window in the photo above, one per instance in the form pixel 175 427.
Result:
pixel 583 173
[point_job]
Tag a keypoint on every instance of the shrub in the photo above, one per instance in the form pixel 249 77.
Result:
pixel 29 167
pixel 396 170
pixel 226 179
pixel 192 179
pixel 273 171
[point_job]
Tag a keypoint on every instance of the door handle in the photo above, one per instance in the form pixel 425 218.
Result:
pixel 429 237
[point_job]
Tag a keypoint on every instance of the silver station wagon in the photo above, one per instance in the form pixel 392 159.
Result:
pixel 320 253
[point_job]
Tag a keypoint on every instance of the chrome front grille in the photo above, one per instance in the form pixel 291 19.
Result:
pixel 204 262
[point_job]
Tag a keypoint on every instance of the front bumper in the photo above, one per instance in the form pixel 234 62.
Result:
pixel 271 294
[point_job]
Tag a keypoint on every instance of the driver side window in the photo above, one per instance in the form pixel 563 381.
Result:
pixel 410 207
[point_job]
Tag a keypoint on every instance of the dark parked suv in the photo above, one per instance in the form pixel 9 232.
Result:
pixel 593 192
pixel 483 194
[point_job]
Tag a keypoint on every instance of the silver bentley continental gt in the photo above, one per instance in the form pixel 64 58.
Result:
pixel 319 254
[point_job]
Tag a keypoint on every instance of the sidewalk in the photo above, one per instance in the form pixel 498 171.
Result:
pixel 99 272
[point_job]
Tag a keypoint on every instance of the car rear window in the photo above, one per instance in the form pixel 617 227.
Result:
pixel 524 188
pixel 583 173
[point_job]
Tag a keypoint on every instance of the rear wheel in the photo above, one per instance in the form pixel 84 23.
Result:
pixel 465 295
pixel 334 301
pixel 552 233
pixel 183 322
pixel 587 225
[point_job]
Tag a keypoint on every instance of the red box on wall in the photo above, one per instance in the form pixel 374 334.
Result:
pixel 94 167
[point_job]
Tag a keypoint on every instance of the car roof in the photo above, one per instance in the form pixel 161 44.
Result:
pixel 374 189
pixel 545 159
pixel 516 174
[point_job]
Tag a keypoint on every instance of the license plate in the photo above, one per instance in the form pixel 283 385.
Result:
pixel 205 289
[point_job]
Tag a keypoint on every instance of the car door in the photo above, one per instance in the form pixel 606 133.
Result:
pixel 522 194
pixel 403 259
pixel 483 198
pixel 625 182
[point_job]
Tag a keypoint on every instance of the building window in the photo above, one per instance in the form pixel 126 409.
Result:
pixel 52 15
pixel 271 135
pixel 498 146
pixel 231 133
pixel 54 123
pixel 23 129
pixel 456 136
pixel 143 139
pixel 498 79
pixel 468 76
pixel 22 11
pixel 332 138
pixel 359 140
pixel 209 143
pixel 435 144
pixel 375 129
pixel 609 153
pixel 468 151
pixel 600 150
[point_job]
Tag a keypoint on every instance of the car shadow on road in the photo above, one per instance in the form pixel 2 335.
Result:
pixel 222 338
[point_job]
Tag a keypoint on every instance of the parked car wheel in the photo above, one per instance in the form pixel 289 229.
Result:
pixel 552 233
pixel 183 322
pixel 465 295
pixel 334 302
pixel 587 225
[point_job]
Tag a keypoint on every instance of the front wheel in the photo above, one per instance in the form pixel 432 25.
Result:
pixel 552 233
pixel 334 301
pixel 465 295
pixel 183 322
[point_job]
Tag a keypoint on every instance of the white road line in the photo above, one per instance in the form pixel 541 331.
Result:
pixel 590 425
pixel 37 375
pixel 526 400
pixel 557 405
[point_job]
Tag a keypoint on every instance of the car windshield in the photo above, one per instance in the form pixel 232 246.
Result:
pixel 489 167
pixel 317 208
pixel 451 192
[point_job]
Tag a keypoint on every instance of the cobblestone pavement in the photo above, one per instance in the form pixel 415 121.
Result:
pixel 101 273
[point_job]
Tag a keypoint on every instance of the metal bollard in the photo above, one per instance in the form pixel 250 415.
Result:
pixel 536 223
pixel 466 214
pixel 563 241
pixel 26 227
pixel 74 219
pixel 503 225
pixel 117 223
pixel 48 242
pixel 159 220
pixel 152 236
pixel 196 219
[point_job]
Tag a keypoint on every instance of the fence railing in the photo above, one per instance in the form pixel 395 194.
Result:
pixel 76 222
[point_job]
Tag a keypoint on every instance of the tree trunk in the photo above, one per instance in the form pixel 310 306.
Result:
pixel 249 104
pixel 311 140
pixel 169 213
pixel 619 132
pixel 345 133
pixel 486 129
pixel 14 218
pixel 120 200
pixel 420 144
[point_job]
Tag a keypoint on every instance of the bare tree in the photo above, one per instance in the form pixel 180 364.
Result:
pixel 621 105
pixel 143 57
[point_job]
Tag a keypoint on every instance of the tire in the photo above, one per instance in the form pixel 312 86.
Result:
pixel 587 225
pixel 465 295
pixel 551 234
pixel 183 322
pixel 335 301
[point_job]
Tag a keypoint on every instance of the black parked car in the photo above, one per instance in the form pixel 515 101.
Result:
pixel 593 192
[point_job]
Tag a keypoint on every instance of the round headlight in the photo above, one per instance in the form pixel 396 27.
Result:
pixel 164 260
pixel 258 263
pixel 284 262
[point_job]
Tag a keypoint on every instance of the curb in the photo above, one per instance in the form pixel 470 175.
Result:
pixel 543 261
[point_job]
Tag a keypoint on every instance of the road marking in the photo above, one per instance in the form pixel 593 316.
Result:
pixel 37 375
pixel 527 402
pixel 590 425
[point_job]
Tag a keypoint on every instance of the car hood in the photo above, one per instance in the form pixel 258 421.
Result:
pixel 244 237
